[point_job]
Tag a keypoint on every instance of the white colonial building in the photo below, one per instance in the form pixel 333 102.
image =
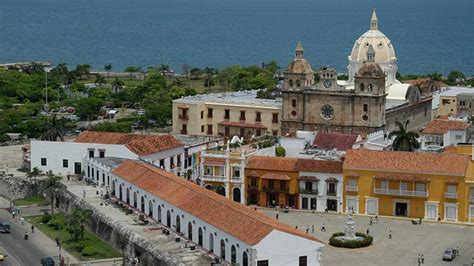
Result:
pixel 66 158
pixel 444 132
pixel 229 230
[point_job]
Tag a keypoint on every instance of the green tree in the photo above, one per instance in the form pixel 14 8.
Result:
pixel 456 77
pixel 131 70
pixel 33 174
pixel 82 71
pixel 99 79
pixel 89 108
pixel 117 85
pixel 280 151
pixel 80 216
pixel 163 69
pixel 404 140
pixel 55 129
pixel 53 183
pixel 196 73
pixel 108 68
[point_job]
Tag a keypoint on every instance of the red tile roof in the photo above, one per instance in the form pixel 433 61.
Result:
pixel 242 124
pixel 320 166
pixel 410 162
pixel 142 145
pixel 233 218
pixel 442 126
pixel 334 140
pixel 272 163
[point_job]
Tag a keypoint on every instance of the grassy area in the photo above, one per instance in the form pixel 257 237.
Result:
pixel 34 200
pixel 91 247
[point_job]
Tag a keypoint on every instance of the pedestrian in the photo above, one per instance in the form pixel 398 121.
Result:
pixel 418 257
pixel 326 210
pixel 390 235
pixel 13 214
pixel 296 227
pixel 422 259
pixel 312 228
pixel 457 250
pixel 22 220
pixel 370 221
pixel 307 230
pixel 84 193
pixel 420 220
pixel 367 231
pixel 323 228
pixel 376 218
pixel 32 228
pixel 277 216
pixel 439 217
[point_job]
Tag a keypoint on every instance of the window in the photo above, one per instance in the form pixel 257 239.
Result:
pixel 162 163
pixel 184 129
pixel 209 112
pixel 275 118
pixel 458 137
pixel 233 254
pixel 298 83
pixel 171 162
pixel 223 249
pixel 43 161
pixel 403 186
pixel 270 183
pixel 202 128
pixel 242 116
pixel 293 103
pixel 227 114
pixel 420 187
pixel 258 117
pixel 426 111
pixel 91 153
pixel 245 259
pixel 101 154
pixel 65 163
pixel 262 263
pixel 202 114
pixel 254 182
pixel 451 188
pixel 258 132
pixel 275 132
pixel 384 184
pixel 291 83
pixel 366 107
pixel 282 184
pixel 303 261
pixel 209 129
pixel 236 172
pixel 352 182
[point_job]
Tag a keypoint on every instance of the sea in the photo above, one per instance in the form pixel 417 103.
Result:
pixel 428 35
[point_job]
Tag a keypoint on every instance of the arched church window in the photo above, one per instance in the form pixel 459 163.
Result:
pixel 298 83
pixel 369 87
pixel 362 86
pixel 291 82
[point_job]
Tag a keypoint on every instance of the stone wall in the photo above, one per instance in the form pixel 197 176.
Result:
pixel 18 187
pixel 113 233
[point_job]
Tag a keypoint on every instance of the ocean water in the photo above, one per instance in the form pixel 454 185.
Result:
pixel 428 35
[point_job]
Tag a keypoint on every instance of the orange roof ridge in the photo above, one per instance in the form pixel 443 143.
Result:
pixel 264 223
pixel 442 126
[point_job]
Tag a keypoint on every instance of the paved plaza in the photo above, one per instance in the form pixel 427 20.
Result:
pixel 408 240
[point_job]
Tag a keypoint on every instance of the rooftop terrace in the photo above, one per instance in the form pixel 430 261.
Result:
pixel 236 98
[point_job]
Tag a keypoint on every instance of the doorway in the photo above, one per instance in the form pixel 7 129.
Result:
pixel 401 209
pixel 77 168
pixel 331 205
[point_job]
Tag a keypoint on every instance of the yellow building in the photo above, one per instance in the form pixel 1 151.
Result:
pixel 227 114
pixel 223 171
pixel 434 186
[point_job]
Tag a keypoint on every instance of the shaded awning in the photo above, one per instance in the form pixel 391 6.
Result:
pixel 241 125
pixel 252 173
pixel 401 177
pixel 275 176
pixel 352 174
pixel 332 179
pixel 451 181
pixel 308 178
pixel 213 162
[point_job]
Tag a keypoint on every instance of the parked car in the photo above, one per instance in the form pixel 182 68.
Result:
pixel 47 261
pixel 5 227
pixel 449 254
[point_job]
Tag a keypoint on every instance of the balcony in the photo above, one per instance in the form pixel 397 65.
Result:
pixel 252 188
pixel 184 132
pixel 237 179
pixel 276 190
pixel 215 178
pixel 471 198
pixel 352 188
pixel 331 193
pixel 309 191
pixel 398 192
pixel 451 195
pixel 183 117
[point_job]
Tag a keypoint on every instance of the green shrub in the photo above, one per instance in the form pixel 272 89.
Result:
pixel 57 222
pixel 280 151
pixel 46 218
pixel 88 251
pixel 367 241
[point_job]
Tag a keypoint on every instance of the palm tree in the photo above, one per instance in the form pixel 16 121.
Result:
pixel 55 128
pixel 404 140
pixel 108 68
pixel 164 69
pixel 209 72
pixel 79 217
pixel 99 79
pixel 52 184
pixel 117 85
pixel 32 175
pixel 433 82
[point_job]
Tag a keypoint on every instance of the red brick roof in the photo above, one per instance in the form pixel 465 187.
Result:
pixel 320 166
pixel 233 218
pixel 140 144
pixel 335 140
pixel 442 126
pixel 272 163
pixel 410 162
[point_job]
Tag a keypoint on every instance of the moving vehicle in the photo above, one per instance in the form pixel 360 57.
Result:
pixel 5 227
pixel 449 254
pixel 47 261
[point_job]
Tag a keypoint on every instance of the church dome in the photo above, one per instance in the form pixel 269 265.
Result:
pixel 382 45
pixel 299 65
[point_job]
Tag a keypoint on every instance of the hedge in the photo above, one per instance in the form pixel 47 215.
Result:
pixel 367 241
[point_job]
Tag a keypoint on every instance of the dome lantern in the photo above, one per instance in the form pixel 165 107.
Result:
pixel 299 51
pixel 374 21
pixel 370 54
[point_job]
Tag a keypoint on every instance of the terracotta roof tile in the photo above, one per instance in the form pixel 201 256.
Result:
pixel 320 166
pixel 242 124
pixel 414 162
pixel 275 176
pixel 233 218
pixel 442 126
pixel 334 140
pixel 272 163
pixel 140 144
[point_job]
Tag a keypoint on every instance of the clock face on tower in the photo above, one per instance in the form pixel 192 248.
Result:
pixel 327 112
pixel 327 84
